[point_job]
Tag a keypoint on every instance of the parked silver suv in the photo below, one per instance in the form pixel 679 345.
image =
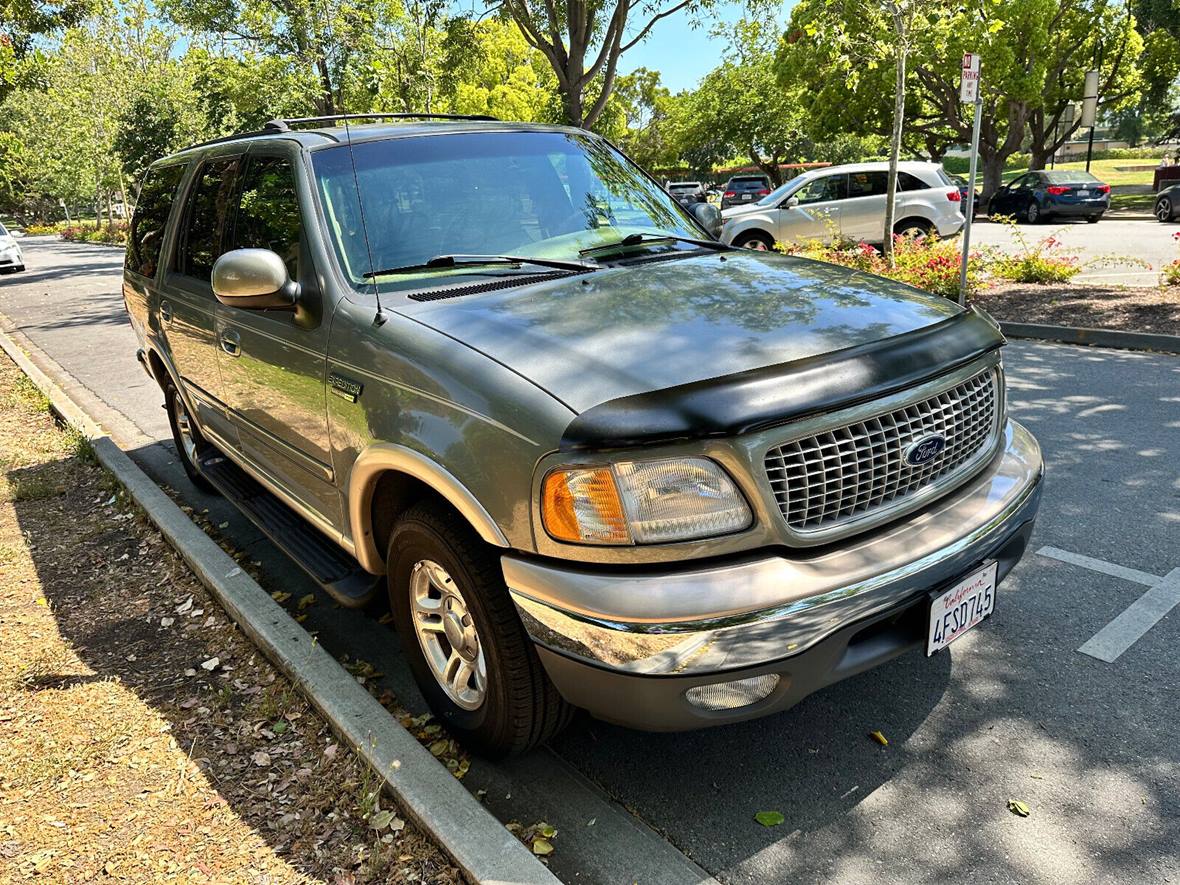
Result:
pixel 596 458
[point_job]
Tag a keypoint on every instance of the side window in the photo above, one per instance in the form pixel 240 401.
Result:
pixel 208 202
pixel 146 234
pixel 907 182
pixel 268 211
pixel 1024 182
pixel 821 190
pixel 867 184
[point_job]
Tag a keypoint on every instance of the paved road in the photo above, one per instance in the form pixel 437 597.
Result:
pixel 1012 712
pixel 1115 251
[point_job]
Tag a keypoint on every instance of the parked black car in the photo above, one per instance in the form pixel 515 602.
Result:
pixel 744 189
pixel 1036 196
pixel 1167 202
pixel 961 183
pixel 686 193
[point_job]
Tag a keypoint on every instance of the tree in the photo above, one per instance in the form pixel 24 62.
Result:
pixel 22 22
pixel 324 37
pixel 740 110
pixel 583 41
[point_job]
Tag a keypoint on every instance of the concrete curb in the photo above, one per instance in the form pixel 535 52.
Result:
pixel 1094 337
pixel 479 845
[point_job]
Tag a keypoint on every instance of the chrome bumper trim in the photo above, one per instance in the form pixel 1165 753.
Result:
pixel 743 614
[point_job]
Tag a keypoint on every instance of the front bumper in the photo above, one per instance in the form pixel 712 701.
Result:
pixel 627 645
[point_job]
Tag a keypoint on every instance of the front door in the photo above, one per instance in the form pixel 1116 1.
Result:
pixel 187 306
pixel 817 215
pixel 273 361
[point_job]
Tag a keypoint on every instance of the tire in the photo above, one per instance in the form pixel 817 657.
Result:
pixel 1093 219
pixel 1164 209
pixel 187 437
pixel 1033 213
pixel 517 707
pixel 757 240
pixel 915 228
pixel 20 268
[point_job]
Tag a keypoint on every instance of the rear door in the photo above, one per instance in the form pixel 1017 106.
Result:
pixel 862 213
pixel 188 308
pixel 273 361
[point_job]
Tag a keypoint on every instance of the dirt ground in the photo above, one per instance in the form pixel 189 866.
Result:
pixel 144 739
pixel 1131 309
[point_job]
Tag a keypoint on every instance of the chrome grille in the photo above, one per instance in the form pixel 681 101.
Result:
pixel 841 474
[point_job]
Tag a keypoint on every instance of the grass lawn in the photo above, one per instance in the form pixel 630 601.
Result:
pixel 1111 172
pixel 1132 202
pixel 142 737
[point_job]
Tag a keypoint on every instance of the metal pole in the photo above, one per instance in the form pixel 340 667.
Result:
pixel 1090 147
pixel 970 198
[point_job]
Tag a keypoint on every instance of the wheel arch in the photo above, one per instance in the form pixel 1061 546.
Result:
pixel 385 480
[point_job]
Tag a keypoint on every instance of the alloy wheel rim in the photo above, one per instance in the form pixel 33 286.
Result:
pixel 184 429
pixel 1033 212
pixel 914 233
pixel 757 245
pixel 1163 209
pixel 447 635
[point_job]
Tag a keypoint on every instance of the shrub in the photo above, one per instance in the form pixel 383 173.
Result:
pixel 115 235
pixel 37 230
pixel 1040 262
pixel 1170 273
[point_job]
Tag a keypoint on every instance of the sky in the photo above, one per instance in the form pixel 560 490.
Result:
pixel 684 54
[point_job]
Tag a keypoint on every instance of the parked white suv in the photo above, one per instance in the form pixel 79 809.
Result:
pixel 848 202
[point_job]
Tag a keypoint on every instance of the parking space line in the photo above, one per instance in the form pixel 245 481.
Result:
pixel 1143 614
pixel 1101 565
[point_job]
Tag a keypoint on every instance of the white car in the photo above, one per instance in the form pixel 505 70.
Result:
pixel 848 202
pixel 10 254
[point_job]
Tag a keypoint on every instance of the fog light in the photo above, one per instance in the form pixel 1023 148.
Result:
pixel 730 695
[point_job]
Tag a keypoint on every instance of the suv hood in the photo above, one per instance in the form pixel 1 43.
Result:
pixel 622 331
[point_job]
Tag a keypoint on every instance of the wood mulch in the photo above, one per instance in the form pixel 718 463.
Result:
pixel 1126 308
pixel 142 737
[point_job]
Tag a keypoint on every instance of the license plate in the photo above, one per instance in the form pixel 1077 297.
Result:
pixel 960 608
pixel 1083 193
pixel 745 196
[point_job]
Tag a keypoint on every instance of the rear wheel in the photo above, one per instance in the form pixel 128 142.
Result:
pixel 1093 219
pixel 757 240
pixel 190 445
pixel 466 646
pixel 912 228
pixel 1163 209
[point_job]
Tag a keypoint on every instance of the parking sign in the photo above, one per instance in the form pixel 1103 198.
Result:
pixel 969 89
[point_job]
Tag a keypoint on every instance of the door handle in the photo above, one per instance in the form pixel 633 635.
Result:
pixel 231 343
pixel 166 311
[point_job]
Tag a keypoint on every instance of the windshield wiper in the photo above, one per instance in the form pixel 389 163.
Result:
pixel 447 262
pixel 644 239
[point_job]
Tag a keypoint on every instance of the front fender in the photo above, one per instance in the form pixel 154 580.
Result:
pixel 734 226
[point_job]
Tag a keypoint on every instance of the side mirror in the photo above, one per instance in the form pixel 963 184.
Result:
pixel 791 202
pixel 254 279
pixel 709 217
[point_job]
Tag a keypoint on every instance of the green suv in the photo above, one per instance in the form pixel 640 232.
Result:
pixel 595 458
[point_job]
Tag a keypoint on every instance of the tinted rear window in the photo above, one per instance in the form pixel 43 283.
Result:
pixel 1068 177
pixel 683 187
pixel 146 234
pixel 747 184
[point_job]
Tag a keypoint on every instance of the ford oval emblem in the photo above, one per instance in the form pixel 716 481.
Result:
pixel 925 450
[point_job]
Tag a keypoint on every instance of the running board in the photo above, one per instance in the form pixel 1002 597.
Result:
pixel 333 569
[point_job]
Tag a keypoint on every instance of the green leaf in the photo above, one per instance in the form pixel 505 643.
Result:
pixel 1018 808
pixel 769 818
pixel 381 819
pixel 542 847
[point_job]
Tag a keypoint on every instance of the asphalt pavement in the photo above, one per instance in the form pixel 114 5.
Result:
pixel 1113 252
pixel 1012 711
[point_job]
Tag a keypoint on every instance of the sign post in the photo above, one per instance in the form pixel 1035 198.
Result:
pixel 969 91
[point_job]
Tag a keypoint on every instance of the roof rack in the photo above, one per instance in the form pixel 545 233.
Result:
pixel 284 125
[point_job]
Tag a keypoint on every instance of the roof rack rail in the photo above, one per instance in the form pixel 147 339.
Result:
pixel 284 125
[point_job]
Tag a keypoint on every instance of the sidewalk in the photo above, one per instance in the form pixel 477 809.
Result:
pixel 145 739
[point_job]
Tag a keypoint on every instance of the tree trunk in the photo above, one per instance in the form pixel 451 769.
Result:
pixel 993 172
pixel 572 106
pixel 895 143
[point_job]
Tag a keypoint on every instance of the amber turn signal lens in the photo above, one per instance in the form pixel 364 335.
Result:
pixel 583 506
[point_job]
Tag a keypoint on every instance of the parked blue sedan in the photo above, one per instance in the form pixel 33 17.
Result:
pixel 1037 196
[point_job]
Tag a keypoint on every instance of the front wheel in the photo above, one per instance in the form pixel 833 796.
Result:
pixel 756 240
pixel 1033 213
pixel 187 436
pixel 1163 209
pixel 466 646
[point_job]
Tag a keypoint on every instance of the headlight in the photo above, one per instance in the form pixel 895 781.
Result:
pixel 642 502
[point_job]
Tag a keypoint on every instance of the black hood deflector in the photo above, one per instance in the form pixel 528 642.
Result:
pixel 761 398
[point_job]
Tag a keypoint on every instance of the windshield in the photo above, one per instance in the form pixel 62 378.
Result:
pixel 536 194
pixel 3 231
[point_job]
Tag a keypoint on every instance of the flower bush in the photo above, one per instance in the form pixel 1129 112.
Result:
pixel 114 235
pixel 927 263
pixel 1040 262
pixel 1170 275
pixel 37 230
